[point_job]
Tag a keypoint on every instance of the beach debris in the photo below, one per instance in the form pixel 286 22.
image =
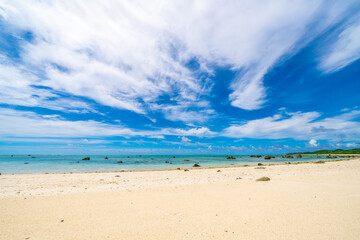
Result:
pixel 260 164
pixel 260 168
pixel 196 165
pixel 119 161
pixel 319 162
pixel 231 157
pixel 269 157
pixel 186 160
pixel 299 156
pixel 86 158
pixel 263 179
pixel 238 178
pixel 26 163
pixel 106 158
pixel 218 171
pixel 186 170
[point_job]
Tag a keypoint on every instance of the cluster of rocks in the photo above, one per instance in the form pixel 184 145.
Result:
pixel 86 158
pixel 255 156
pixel 231 157
pixel 287 156
pixel 268 157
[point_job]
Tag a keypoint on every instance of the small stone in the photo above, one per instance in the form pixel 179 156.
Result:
pixel 218 171
pixel 117 175
pixel 186 170
pixel 260 164
pixel 196 165
pixel 263 179
pixel 62 220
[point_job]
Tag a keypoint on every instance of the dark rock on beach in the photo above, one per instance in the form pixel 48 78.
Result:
pixel 86 158
pixel 231 157
pixel 119 161
pixel 260 168
pixel 263 179
pixel 196 165
pixel 106 158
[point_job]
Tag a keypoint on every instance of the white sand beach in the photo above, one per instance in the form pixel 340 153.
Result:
pixel 301 201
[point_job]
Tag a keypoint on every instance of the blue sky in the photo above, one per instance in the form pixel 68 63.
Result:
pixel 179 77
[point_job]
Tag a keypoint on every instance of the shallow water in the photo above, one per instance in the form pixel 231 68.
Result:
pixel 74 163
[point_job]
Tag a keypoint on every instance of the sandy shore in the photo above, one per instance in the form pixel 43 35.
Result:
pixel 304 201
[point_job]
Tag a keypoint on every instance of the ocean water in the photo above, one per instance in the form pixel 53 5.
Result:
pixel 74 163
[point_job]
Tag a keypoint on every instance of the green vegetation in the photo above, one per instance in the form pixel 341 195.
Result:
pixel 337 151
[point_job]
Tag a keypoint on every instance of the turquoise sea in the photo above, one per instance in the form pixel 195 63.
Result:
pixel 73 163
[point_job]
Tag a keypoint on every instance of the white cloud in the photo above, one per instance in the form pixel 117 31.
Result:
pixel 300 126
pixel 185 139
pixel 352 145
pixel 127 54
pixel 345 50
pixel 27 124
pixel 313 143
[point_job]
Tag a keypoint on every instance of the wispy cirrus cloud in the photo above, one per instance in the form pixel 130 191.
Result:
pixel 139 51
pixel 344 50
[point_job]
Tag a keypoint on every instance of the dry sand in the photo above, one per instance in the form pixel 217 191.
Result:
pixel 304 201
